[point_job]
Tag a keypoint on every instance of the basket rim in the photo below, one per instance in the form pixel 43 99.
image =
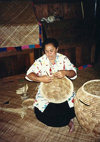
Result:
pixel 96 80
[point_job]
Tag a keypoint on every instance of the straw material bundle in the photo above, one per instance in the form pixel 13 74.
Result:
pixel 28 103
pixel 87 106
pixel 18 24
pixel 57 91
pixel 20 111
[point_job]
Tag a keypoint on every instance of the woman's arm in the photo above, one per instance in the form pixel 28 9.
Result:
pixel 45 78
pixel 69 73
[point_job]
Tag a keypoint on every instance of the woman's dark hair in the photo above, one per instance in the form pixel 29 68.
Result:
pixel 53 41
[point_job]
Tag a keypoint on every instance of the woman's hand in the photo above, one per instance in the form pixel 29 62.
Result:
pixel 46 78
pixel 60 74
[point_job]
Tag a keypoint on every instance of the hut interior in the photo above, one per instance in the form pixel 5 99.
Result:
pixel 18 123
pixel 23 27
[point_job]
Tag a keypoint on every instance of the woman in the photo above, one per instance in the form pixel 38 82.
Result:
pixel 43 70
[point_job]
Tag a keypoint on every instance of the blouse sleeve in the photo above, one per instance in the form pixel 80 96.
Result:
pixel 35 68
pixel 70 66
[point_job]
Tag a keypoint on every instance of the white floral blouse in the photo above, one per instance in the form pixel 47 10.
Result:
pixel 42 66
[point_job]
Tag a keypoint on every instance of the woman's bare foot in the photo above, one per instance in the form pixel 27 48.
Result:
pixel 71 126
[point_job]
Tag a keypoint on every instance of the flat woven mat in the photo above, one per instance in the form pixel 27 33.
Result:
pixel 15 129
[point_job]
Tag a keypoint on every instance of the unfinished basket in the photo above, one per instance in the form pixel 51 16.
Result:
pixel 87 106
pixel 57 91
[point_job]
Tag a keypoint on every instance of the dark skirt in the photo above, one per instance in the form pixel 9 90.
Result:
pixel 55 115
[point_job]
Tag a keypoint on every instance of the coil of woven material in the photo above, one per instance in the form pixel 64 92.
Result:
pixel 57 91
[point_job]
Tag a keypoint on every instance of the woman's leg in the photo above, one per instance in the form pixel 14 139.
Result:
pixel 71 126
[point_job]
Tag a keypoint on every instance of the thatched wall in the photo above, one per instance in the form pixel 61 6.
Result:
pixel 18 25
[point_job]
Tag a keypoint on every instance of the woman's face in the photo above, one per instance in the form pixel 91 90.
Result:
pixel 50 51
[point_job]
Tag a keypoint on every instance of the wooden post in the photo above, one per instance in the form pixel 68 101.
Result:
pixel 31 56
pixel 78 55
pixel 93 53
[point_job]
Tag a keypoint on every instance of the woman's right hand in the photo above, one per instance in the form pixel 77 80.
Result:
pixel 46 78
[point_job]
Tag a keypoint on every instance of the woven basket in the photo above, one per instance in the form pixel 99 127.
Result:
pixel 87 106
pixel 57 91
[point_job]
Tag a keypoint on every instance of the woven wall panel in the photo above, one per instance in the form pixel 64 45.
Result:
pixel 18 25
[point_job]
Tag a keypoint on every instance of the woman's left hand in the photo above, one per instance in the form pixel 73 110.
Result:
pixel 60 74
